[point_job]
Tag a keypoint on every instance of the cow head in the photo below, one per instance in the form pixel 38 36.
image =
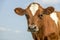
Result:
pixel 35 15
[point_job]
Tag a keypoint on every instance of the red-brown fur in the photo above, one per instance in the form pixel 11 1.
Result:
pixel 47 27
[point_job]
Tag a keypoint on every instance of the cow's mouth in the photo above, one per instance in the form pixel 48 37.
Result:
pixel 33 29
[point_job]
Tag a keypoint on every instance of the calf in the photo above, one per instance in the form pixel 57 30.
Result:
pixel 43 23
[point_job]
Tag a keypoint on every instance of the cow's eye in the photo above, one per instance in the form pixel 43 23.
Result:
pixel 27 16
pixel 40 16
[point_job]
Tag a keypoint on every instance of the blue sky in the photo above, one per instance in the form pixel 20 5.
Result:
pixel 13 26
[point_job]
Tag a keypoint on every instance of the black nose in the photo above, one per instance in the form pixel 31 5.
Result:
pixel 32 27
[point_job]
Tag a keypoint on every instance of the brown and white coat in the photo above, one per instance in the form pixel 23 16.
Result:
pixel 43 23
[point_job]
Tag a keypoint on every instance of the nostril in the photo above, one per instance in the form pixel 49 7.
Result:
pixel 45 38
pixel 35 27
pixel 28 27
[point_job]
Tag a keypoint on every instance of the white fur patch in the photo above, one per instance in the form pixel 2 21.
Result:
pixel 54 17
pixel 33 8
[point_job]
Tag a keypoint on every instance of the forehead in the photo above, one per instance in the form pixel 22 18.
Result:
pixel 33 8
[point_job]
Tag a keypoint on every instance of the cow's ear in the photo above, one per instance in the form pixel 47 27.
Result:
pixel 48 10
pixel 19 11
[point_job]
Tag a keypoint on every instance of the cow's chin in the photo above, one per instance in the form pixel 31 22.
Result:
pixel 33 30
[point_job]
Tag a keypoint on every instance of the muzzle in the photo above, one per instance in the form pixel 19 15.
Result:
pixel 33 28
